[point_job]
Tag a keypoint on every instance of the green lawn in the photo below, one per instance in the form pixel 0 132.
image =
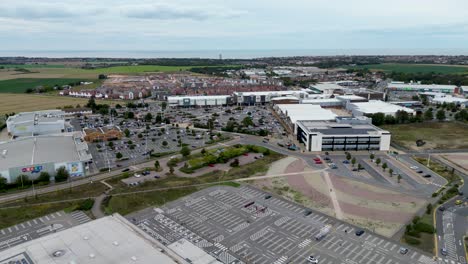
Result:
pixel 437 135
pixel 21 85
pixel 414 68
pixel 128 203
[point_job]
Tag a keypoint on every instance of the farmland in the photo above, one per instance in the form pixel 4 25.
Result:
pixel 437 135
pixel 29 102
pixel 59 72
pixel 415 68
pixel 21 85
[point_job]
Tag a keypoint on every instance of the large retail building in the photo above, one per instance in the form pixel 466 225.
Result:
pixel 32 155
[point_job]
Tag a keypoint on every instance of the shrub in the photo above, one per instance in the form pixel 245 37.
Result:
pixel 86 205
pixel 412 240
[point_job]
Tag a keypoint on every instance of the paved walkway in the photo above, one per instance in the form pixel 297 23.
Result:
pixel 333 197
pixel 97 210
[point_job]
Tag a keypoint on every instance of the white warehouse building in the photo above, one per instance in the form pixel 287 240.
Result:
pixel 333 136
pixel 376 106
pixel 36 123
pixel 202 100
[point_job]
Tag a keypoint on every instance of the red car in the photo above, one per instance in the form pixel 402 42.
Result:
pixel 211 165
pixel 316 159
pixel 318 162
pixel 246 154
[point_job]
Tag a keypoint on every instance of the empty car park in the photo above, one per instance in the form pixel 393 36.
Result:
pixel 239 225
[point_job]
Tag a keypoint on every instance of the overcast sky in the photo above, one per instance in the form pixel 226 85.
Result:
pixel 232 24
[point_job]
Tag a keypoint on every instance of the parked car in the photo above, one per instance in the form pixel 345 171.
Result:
pixel 346 161
pixel 146 173
pixel 211 165
pixel 427 176
pixel 307 212
pixel 267 197
pixel 312 259
pixel 318 162
pixel 442 208
pixel 125 170
pixel 359 232
pixel 443 251
pixel 414 167
pixel 458 202
pixel 403 250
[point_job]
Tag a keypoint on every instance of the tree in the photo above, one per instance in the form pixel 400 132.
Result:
pixel 127 132
pixel 158 118
pixel 148 117
pixel 234 163
pixel 3 183
pixel 21 180
pixel 247 121
pixel 203 151
pixel 378 161
pixel 185 151
pixel 429 208
pixel 428 115
pixel 348 156
pixel 353 161
pixel 61 174
pixel 163 105
pixel 440 115
pixel 118 155
pixel 171 169
pixel 390 171
pixel 140 135
pixel 44 177
pixel 157 166
pixel 110 144
pixel 372 156
pixel 164 143
pixel 384 166
pixel 359 167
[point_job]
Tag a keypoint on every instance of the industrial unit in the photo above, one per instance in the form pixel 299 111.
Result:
pixel 253 98
pixel 342 136
pixel 37 123
pixel 376 106
pixel 32 155
pixel 202 100
pixel 419 88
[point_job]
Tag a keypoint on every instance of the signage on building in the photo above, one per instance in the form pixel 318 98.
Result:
pixel 32 169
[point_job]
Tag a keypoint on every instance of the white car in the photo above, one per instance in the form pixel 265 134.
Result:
pixel 312 259
pixel 137 175
pixel 414 167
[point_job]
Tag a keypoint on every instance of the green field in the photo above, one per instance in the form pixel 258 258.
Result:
pixel 437 135
pixel 414 68
pixel 21 85
pixel 31 66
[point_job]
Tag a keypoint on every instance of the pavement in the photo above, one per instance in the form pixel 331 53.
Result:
pixel 38 227
pixel 240 225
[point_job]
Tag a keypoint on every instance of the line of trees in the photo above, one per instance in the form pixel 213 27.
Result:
pixel 44 178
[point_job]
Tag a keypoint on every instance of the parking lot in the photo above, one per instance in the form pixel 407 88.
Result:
pixel 247 225
pixel 42 226
pixel 410 180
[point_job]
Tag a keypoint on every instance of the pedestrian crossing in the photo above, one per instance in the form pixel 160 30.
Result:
pixel 80 217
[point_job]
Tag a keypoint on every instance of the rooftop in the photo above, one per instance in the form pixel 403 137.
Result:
pixel 350 97
pixel 271 93
pixel 420 86
pixel 197 97
pixel 108 240
pixel 332 128
pixel 194 254
pixel 377 106
pixel 326 86
pixel 40 149
pixel 41 116
pixel 306 112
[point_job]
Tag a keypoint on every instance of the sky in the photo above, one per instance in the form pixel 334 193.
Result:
pixel 232 24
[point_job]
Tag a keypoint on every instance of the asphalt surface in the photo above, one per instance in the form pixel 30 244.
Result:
pixel 42 226
pixel 238 225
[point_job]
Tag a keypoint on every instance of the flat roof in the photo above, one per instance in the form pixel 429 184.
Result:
pixel 326 86
pixel 320 100
pixel 107 240
pixel 37 150
pixel 306 112
pixel 421 86
pixel 449 99
pixel 41 116
pixel 350 97
pixel 333 128
pixel 377 106
pixel 271 93
pixel 198 97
